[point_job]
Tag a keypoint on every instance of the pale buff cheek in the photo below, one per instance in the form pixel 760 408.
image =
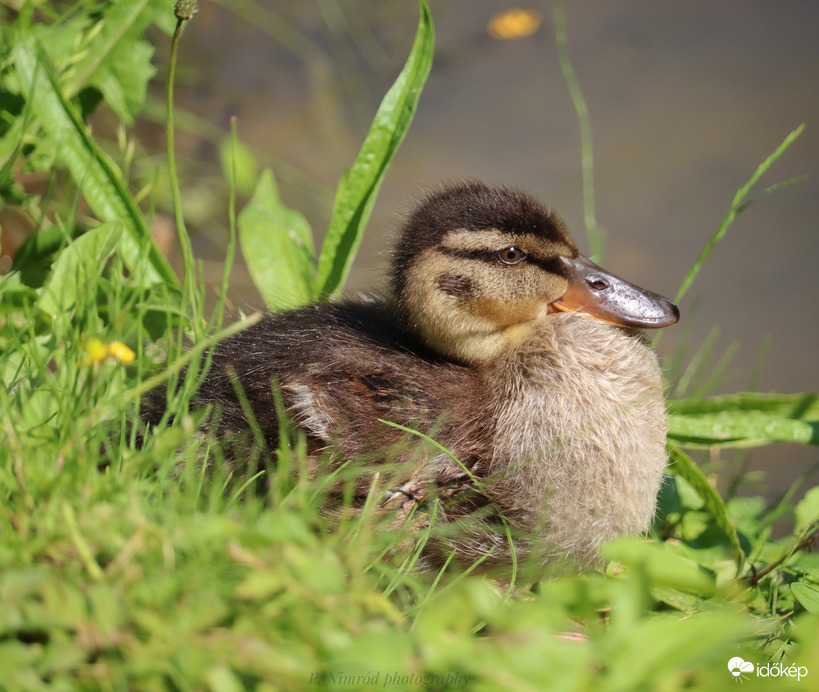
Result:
pixel 420 290
pixel 432 307
pixel 440 317
pixel 524 300
pixel 474 324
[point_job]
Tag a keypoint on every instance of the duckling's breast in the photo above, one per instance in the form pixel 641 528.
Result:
pixel 580 439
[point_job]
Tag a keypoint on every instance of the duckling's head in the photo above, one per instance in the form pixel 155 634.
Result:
pixel 477 264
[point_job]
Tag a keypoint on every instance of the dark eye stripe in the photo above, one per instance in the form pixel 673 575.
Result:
pixel 553 265
pixel 454 284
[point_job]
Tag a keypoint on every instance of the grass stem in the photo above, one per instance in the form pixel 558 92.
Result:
pixel 738 205
pixel 594 233
pixel 176 195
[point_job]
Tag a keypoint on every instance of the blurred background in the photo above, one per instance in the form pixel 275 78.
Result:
pixel 685 100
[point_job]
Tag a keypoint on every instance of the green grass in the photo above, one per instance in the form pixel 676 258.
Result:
pixel 134 559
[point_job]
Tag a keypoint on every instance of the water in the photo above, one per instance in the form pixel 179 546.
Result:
pixel 686 99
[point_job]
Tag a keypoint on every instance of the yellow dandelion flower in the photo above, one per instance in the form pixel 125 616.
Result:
pixel 514 23
pixel 121 352
pixel 96 349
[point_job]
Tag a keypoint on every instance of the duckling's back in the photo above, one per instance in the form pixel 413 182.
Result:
pixel 340 368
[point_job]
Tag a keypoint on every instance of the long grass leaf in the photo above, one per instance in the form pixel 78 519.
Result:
pixel 94 174
pixel 479 487
pixel 189 356
pixel 359 186
pixel 682 465
pixel 738 205
pixel 230 250
pixel 745 420
pixel 796 406
pixel 696 363
pixel 740 429
pixel 438 446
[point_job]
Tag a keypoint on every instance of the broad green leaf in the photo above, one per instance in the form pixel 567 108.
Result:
pixel 98 45
pixel 746 419
pixel 125 83
pixel 796 406
pixel 116 59
pixel 807 595
pixel 740 429
pixel 807 511
pixel 278 247
pixel 359 186
pixel 221 679
pixel 77 267
pixel 664 567
pixel 37 253
pixel 682 465
pixel 97 177
pixel 806 562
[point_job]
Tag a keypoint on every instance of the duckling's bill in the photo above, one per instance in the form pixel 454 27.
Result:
pixel 594 292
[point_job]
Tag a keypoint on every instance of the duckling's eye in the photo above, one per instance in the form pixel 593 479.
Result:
pixel 512 255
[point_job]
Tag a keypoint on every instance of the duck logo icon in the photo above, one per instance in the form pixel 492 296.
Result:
pixel 739 668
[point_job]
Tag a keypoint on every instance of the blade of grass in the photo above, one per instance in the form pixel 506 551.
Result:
pixel 438 446
pixel 83 549
pixel 230 252
pixel 409 563
pixel 276 26
pixel 182 232
pixel 480 488
pixel 347 64
pixel 594 233
pixel 696 363
pixel 713 379
pixel 738 205
pixel 451 585
pixel 359 186
pixel 188 356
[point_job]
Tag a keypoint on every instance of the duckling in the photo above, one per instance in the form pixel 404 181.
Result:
pixel 501 341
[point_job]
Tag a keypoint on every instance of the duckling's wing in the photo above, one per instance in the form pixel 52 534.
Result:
pixel 341 369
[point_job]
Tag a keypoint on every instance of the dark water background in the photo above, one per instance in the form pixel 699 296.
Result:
pixel 686 99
